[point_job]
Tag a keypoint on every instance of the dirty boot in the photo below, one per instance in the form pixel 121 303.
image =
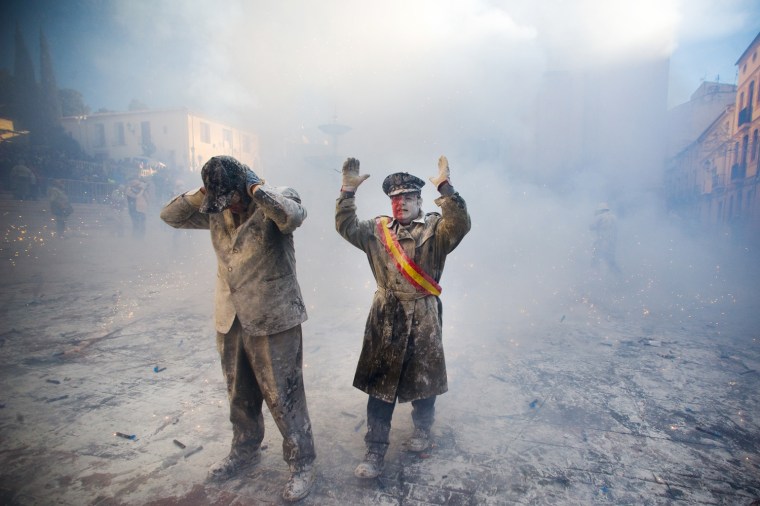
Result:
pixel 419 442
pixel 234 463
pixel 300 483
pixel 371 467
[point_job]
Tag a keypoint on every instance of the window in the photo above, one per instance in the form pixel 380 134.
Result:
pixel 205 132
pixel 118 132
pixel 227 138
pixel 100 135
pixel 145 132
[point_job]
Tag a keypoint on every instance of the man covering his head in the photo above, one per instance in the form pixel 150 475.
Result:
pixel 259 312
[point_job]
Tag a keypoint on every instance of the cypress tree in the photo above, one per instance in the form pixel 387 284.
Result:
pixel 49 101
pixel 26 110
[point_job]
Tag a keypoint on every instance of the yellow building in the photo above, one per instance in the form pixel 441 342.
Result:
pixel 687 121
pixel 176 137
pixel 742 206
pixel 715 178
pixel 696 179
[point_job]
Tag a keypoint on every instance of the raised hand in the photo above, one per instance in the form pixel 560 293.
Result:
pixel 252 180
pixel 444 173
pixel 351 178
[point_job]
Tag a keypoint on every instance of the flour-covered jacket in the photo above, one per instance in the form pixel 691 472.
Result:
pixel 402 353
pixel 256 276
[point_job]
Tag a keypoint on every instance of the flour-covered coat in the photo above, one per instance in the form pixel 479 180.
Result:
pixel 402 353
pixel 256 275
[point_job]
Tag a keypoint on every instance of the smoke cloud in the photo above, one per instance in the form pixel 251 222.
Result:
pixel 543 109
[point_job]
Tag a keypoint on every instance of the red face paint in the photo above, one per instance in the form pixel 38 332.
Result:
pixel 405 207
pixel 397 203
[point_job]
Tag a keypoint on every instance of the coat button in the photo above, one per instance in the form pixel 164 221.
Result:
pixel 229 269
pixel 235 250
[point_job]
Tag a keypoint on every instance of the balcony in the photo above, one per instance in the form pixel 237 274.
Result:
pixel 738 171
pixel 717 184
pixel 745 116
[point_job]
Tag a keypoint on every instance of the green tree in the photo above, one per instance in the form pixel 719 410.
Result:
pixel 6 94
pixel 72 103
pixel 50 105
pixel 25 103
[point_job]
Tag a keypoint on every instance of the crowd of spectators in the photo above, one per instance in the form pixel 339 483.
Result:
pixel 87 181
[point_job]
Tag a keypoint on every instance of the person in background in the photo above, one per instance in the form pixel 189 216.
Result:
pixel 259 312
pixel 402 355
pixel 60 206
pixel 604 227
pixel 117 201
pixel 137 202
pixel 23 182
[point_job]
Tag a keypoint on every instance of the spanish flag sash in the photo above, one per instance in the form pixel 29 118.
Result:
pixel 405 265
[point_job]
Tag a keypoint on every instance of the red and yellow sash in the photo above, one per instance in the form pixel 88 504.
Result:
pixel 405 265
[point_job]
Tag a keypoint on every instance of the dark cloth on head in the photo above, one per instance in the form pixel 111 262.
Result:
pixel 222 177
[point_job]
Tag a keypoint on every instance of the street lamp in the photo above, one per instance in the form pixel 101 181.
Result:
pixel 334 130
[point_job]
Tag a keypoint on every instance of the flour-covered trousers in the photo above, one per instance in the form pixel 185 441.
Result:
pixel 267 369
pixel 380 413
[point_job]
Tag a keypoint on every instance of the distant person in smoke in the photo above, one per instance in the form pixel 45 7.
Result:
pixel 259 311
pixel 604 227
pixel 117 201
pixel 23 182
pixel 137 202
pixel 60 206
pixel 402 355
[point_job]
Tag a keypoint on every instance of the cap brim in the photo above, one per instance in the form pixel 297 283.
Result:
pixel 401 191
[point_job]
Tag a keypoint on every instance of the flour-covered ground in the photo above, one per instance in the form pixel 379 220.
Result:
pixel 640 389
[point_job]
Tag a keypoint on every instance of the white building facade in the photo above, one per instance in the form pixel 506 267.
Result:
pixel 178 138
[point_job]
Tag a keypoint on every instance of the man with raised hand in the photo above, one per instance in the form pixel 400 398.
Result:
pixel 402 354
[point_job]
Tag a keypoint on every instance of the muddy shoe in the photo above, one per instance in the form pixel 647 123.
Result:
pixel 419 442
pixel 371 467
pixel 232 464
pixel 300 483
